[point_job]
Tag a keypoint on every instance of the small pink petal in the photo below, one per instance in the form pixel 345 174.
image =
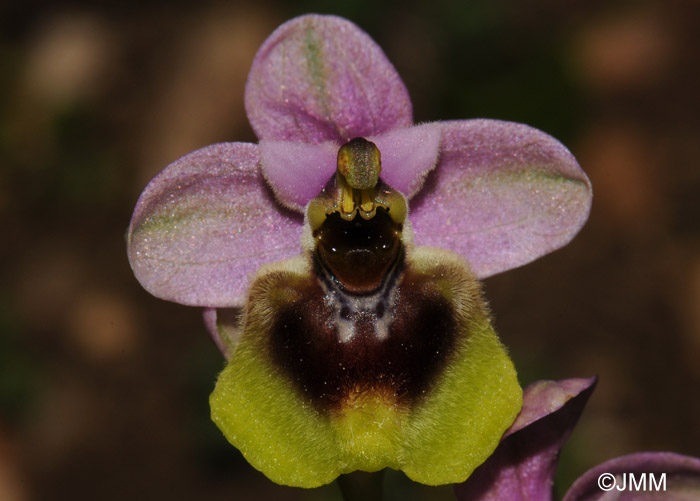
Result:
pixel 523 465
pixel 297 172
pixel 502 195
pixel 321 78
pixel 205 223
pixel 408 155
pixel 681 473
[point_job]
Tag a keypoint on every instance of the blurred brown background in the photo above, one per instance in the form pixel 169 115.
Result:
pixel 104 389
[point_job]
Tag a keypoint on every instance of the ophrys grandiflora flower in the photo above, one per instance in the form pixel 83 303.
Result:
pixel 356 336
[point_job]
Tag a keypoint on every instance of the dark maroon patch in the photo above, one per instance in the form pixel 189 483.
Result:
pixel 305 344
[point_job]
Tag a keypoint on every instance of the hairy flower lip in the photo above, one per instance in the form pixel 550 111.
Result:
pixel 421 403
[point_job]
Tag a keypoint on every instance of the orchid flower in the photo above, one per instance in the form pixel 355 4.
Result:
pixel 355 330
pixel 522 467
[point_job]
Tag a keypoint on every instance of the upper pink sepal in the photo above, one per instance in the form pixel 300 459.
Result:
pixel 502 195
pixel 321 78
pixel 205 223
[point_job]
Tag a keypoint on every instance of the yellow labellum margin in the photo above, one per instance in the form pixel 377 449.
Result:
pixel 439 438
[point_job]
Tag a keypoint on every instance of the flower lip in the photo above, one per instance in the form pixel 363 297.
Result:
pixel 324 382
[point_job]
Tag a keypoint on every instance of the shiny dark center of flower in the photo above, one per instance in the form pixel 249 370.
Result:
pixel 358 253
